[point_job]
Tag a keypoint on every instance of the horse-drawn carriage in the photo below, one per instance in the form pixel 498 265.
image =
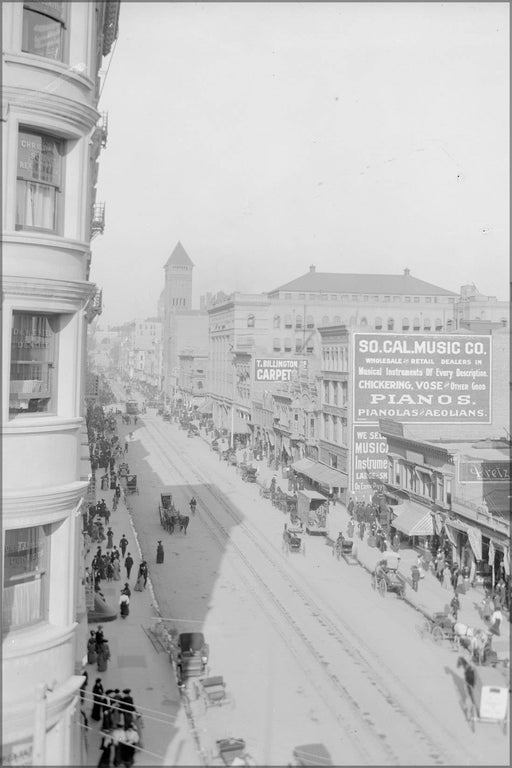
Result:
pixel 124 469
pixel 344 548
pixel 292 540
pixel 440 628
pixel 487 696
pixel 190 656
pixel 232 752
pixel 211 691
pixel 170 517
pixel 386 577
pixel 131 484
pixel 248 472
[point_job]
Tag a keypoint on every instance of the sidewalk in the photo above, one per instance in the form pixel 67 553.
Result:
pixel 138 662
pixel 431 596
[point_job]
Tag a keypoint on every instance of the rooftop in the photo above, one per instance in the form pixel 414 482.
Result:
pixel 179 256
pixel 337 282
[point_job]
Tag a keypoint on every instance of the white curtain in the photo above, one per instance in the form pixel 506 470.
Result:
pixel 22 603
pixel 35 205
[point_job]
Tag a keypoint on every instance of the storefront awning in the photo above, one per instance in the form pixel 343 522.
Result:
pixel 321 473
pixel 271 438
pixel 241 427
pixel 285 442
pixel 475 541
pixel 457 525
pixel 413 519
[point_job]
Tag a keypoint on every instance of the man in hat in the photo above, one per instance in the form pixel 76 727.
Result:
pixel 128 564
pixel 123 543
pixel 159 552
pixel 128 707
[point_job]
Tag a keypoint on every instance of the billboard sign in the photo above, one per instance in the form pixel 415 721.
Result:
pixel 369 457
pixel 278 369
pixel 478 471
pixel 422 379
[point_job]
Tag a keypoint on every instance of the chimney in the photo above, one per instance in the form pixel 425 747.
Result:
pixel 407 272
pixel 312 268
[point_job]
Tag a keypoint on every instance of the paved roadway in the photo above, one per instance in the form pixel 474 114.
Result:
pixel 309 653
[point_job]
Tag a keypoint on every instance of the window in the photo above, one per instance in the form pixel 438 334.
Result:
pixel 32 386
pixel 405 324
pixel 298 321
pixel 416 299
pixel 363 321
pixel 407 298
pixel 449 325
pixel 375 298
pixel 277 345
pixel 310 321
pixel 439 324
pixel 326 392
pixel 333 460
pixel 428 299
pixel 287 345
pixel 378 323
pixel 288 321
pixel 298 346
pixel 365 298
pixel 287 295
pixel 199 384
pixel 250 321
pixel 25 593
pixel 397 298
pixel 387 298
pixel 277 321
pixel 302 296
pixel 325 320
pixel 312 295
pixel 310 350
pixel 337 320
pixel 334 297
pixel 43 29
pixel 38 181
pixel 427 325
pixel 391 323
pixel 416 324
pixel 354 297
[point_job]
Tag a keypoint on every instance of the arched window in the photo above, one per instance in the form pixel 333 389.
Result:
pixel 449 325
pixel 277 321
pixel 439 324
pixel 287 344
pixel 325 320
pixel 405 324
pixel 337 320
pixel 277 345
pixel 391 323
pixel 363 321
pixel 298 321
pixel 378 323
pixel 199 384
pixel 287 321
pixel 310 321
pixel 427 324
pixel 298 346
pixel 416 324
pixel 250 321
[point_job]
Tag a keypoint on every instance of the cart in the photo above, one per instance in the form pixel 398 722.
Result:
pixel 344 548
pixel 249 474
pixel 487 700
pixel 232 752
pixel 131 484
pixel 124 469
pixel 386 578
pixel 292 541
pixel 212 691
pixel 440 628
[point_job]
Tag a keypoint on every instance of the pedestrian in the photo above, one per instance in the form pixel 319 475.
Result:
pixel 495 621
pixel 124 605
pixel 126 589
pixel 487 607
pixel 123 543
pixel 127 746
pixel 128 708
pixel 160 552
pixel 105 750
pixel 91 648
pixel 83 687
pixel 103 656
pixel 143 569
pixel 97 695
pixel 446 577
pixel 116 708
pixel 106 724
pixel 99 637
pixel 110 538
pixel 415 577
pixel 455 574
pixel 128 564
pixel 139 584
pixel 455 605
pixel 109 571
pixel 116 569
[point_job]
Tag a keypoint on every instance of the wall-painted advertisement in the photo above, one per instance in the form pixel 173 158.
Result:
pixel 420 379
pixel 278 369
pixel 478 471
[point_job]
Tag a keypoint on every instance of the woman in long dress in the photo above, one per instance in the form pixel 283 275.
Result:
pixel 106 748
pixel 103 656
pixel 97 693
pixel 160 552
pixel 91 649
pixel 117 569
pixel 110 538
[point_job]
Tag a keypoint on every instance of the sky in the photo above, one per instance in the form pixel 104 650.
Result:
pixel 266 137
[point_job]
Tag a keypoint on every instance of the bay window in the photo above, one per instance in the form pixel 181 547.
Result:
pixel 43 29
pixel 38 185
pixel 33 377
pixel 25 592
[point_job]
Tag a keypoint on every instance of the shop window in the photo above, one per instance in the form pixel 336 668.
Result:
pixel 33 378
pixel 378 323
pixel 250 321
pixel 25 592
pixel 405 324
pixel 277 321
pixel 43 29
pixel 38 186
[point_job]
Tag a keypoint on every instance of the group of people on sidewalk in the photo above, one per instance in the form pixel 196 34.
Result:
pixel 121 725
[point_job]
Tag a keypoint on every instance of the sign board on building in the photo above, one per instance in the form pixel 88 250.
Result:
pixel 423 379
pixel 414 378
pixel 369 457
pixel 478 471
pixel 278 369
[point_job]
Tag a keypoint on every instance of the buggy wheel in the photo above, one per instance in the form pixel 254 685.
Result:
pixel 425 628
pixel 382 587
pixel 437 635
pixel 374 583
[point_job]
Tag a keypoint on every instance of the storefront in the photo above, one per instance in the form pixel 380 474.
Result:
pixel 414 523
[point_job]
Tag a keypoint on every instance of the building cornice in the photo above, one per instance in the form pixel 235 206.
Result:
pixel 58 68
pixel 48 241
pixel 41 505
pixel 67 113
pixel 69 292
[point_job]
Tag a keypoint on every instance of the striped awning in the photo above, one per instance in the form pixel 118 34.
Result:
pixel 413 520
pixel 303 465
pixel 321 473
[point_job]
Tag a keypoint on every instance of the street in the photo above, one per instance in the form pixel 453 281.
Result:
pixel 308 651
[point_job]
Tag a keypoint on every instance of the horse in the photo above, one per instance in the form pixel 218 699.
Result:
pixel 182 522
pixel 476 641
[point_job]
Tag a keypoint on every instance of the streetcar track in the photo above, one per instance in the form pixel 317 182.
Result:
pixel 350 646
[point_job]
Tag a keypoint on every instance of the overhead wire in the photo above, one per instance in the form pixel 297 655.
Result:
pixel 169 719
pixel 135 746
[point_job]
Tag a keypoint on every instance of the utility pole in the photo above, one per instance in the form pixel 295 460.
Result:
pixel 233 394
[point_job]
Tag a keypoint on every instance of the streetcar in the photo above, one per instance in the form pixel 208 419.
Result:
pixel 132 407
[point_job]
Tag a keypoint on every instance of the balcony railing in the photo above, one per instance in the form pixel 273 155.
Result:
pixel 98 219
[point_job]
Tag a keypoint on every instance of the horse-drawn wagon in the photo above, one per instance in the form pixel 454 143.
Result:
pixel 232 752
pixel 131 484
pixel 312 509
pixel 170 517
pixel 292 540
pixel 211 691
pixel 386 577
pixel 440 628
pixel 190 656
pixel 487 696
